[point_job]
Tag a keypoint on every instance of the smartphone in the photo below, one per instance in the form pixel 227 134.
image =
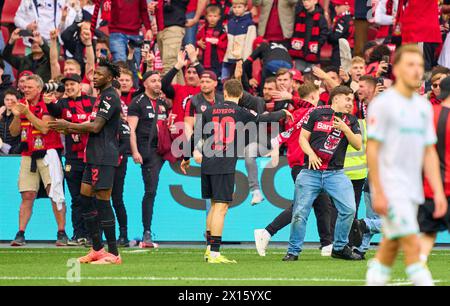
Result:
pixel 380 81
pixel 25 33
pixel 135 44
pixel 146 45
pixel 387 59
pixel 104 53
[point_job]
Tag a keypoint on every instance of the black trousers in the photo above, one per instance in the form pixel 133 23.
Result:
pixel 150 174
pixel 117 195
pixel 326 215
pixel 358 186
pixel 73 173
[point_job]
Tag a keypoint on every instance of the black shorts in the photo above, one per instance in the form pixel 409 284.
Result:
pixel 427 223
pixel 218 187
pixel 99 177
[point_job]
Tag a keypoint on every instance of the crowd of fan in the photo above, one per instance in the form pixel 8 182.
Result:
pixel 276 48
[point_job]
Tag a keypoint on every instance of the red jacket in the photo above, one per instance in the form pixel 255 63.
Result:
pixel 420 22
pixel 291 137
pixel 128 16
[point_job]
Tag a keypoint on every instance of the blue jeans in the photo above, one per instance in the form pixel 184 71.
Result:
pixel 308 185
pixel 191 33
pixel 118 43
pixel 373 222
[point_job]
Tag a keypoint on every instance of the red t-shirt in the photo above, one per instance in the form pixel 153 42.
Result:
pixel 274 32
pixel 192 6
pixel 182 95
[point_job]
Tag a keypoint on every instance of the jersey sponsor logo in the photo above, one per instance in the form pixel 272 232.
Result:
pixel 107 105
pixel 321 126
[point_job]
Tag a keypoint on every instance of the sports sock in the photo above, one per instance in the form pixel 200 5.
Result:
pixel 108 224
pixel 377 274
pixel 208 237
pixel 215 243
pixel 419 274
pixel 423 258
pixel 90 216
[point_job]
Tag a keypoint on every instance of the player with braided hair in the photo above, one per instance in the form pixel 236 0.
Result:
pixel 102 158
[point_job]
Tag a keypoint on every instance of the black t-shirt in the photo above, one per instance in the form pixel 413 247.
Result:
pixel 103 148
pixel 146 133
pixel 220 125
pixel 328 143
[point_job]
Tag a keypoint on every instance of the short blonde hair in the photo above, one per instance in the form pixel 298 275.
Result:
pixel 244 2
pixel 410 48
pixel 358 60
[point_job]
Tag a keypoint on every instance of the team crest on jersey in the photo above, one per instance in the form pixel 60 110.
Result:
pixel 203 108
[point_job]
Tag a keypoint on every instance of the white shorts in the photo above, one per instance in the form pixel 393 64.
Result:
pixel 401 220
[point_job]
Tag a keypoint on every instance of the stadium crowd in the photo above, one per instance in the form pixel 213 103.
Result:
pixel 169 60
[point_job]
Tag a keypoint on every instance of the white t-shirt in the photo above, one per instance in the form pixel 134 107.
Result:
pixel 404 127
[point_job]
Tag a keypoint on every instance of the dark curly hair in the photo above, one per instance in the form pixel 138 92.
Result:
pixel 113 68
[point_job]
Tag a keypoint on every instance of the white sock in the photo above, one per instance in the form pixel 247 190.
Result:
pixel 419 274
pixel 215 254
pixel 423 258
pixel 377 274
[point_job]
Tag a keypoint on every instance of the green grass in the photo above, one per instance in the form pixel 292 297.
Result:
pixel 185 267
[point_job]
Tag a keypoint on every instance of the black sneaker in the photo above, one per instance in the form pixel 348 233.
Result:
pixel 362 254
pixel 290 257
pixel 363 226
pixel 77 241
pixel 346 253
pixel 19 240
pixel 356 234
pixel 147 241
pixel 123 242
pixel 62 239
pixel 88 243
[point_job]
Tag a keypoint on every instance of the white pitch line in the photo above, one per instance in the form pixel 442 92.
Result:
pixel 153 278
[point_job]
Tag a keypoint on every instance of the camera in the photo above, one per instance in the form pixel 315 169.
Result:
pixel 54 87
pixel 135 44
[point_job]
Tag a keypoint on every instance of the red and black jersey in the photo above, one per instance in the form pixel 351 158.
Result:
pixel 198 104
pixel 442 125
pixel 33 139
pixel 212 56
pixel 77 111
pixel 221 125
pixel 328 143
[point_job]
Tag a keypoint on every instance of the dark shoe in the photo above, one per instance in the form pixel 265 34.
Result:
pixel 363 226
pixel 88 243
pixel 362 254
pixel 19 240
pixel 356 234
pixel 62 239
pixel 346 253
pixel 147 241
pixel 77 241
pixel 123 242
pixel 290 257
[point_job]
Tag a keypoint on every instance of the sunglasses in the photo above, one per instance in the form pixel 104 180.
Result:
pixel 435 85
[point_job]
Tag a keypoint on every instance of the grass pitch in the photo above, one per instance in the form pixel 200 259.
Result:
pixel 185 267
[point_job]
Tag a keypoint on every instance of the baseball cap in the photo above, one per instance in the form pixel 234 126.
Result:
pixel 149 74
pixel 296 75
pixel 25 73
pixel 209 74
pixel 71 77
pixel 445 89
pixel 340 2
